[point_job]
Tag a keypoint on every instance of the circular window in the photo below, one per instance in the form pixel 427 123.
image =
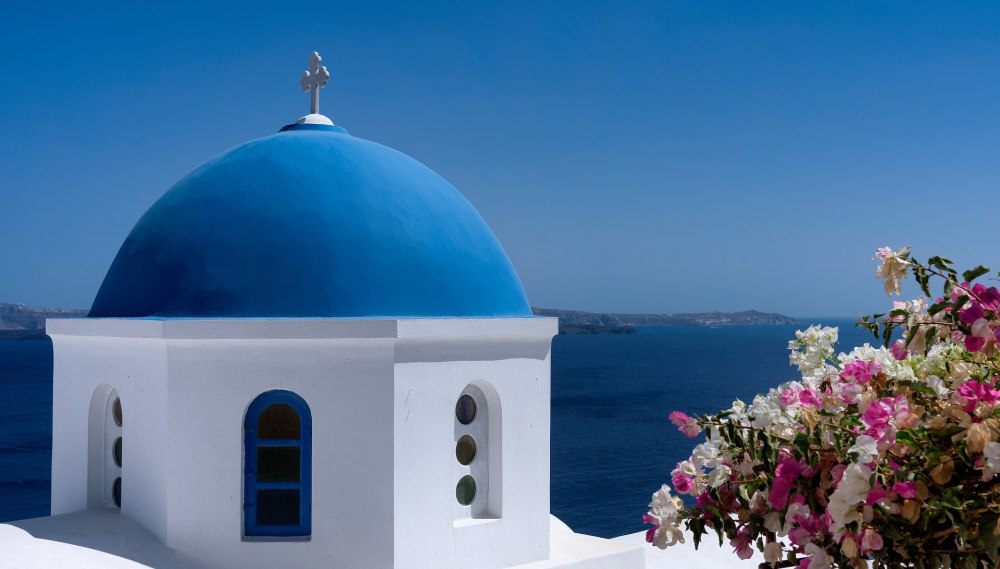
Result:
pixel 116 411
pixel 116 492
pixel 465 409
pixel 466 490
pixel 118 452
pixel 465 449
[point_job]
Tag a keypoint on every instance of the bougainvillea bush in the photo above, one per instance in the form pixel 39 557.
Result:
pixel 885 456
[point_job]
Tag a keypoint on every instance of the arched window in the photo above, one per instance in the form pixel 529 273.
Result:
pixel 104 449
pixel 477 452
pixel 277 465
pixel 113 451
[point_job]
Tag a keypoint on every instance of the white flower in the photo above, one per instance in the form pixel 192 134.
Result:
pixel 796 509
pixel 705 455
pixel 687 468
pixel 665 509
pixel 852 490
pixel 819 558
pixel 666 535
pixel 854 483
pixel 893 268
pixel 934 363
pixel 772 522
pixel 939 387
pixel 720 476
pixel 817 347
pixel 664 506
pixel 991 454
pixel 773 552
pixel 981 328
pixel 866 447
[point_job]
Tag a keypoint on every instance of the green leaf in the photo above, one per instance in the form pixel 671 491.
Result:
pixel 911 330
pixel 938 307
pixel 887 334
pixel 990 542
pixel 923 279
pixel 973 274
pixel 929 338
pixel 951 431
pixel 940 263
pixel 949 285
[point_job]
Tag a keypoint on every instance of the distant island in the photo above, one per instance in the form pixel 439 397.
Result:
pixel 578 322
pixel 18 321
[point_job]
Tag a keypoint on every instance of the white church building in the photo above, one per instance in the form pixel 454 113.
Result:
pixel 310 352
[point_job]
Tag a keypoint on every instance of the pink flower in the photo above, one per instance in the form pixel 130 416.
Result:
pixel 860 371
pixel 849 392
pixel 990 297
pixel 877 413
pixel 972 313
pixel 741 543
pixel 685 424
pixel 683 484
pixel 899 351
pixel 973 391
pixel 778 496
pixel 870 541
pixel 875 494
pixel 646 518
pixel 900 408
pixel 905 490
pixel 788 397
pixel 808 398
pixel 788 470
pixel 974 343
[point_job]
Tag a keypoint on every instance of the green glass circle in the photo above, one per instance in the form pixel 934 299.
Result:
pixel 466 490
pixel 465 449
pixel 118 452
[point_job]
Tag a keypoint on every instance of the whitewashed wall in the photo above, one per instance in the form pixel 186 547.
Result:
pixel 382 395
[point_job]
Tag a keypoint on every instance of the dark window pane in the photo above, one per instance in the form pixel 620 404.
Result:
pixel 465 409
pixel 466 490
pixel 279 421
pixel 116 411
pixel 278 507
pixel 118 452
pixel 116 492
pixel 465 449
pixel 278 464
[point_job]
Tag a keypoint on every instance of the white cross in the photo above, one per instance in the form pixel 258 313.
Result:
pixel 313 79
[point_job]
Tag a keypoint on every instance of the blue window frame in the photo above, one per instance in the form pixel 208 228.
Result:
pixel 277 466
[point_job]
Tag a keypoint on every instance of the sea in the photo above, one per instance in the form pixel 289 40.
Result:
pixel 612 444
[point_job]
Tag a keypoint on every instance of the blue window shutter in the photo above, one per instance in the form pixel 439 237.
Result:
pixel 277 500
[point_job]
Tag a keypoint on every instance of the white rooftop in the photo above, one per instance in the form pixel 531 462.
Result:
pixel 105 539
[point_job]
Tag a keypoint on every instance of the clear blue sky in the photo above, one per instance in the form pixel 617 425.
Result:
pixel 631 157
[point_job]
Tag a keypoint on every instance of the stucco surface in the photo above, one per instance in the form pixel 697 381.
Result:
pixel 91 538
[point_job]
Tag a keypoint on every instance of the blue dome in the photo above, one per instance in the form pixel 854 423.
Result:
pixel 311 222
